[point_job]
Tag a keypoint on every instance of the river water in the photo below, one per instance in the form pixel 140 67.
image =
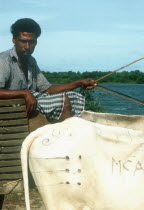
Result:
pixel 113 104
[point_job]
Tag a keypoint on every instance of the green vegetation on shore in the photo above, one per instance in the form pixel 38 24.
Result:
pixel 135 77
pixel 92 103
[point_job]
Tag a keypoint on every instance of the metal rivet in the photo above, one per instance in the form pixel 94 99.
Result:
pixel 80 157
pixel 67 183
pixel 79 170
pixel 67 170
pixel 79 183
pixel 67 157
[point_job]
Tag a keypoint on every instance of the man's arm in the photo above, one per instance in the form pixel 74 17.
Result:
pixel 85 83
pixel 30 100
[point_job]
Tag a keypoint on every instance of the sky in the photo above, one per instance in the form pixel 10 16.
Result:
pixel 80 35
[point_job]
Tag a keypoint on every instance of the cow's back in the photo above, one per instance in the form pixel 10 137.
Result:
pixel 79 165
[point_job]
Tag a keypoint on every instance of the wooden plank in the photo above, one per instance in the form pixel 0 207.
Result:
pixel 10 149
pixel 12 109
pixel 9 156
pixel 12 116
pixel 10 163
pixel 4 102
pixel 13 136
pixel 16 129
pixel 11 176
pixel 14 122
pixel 10 169
pixel 11 143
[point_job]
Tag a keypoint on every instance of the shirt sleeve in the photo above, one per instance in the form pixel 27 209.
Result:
pixel 4 73
pixel 42 83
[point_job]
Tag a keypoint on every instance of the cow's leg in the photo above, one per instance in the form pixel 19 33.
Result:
pixel 1 201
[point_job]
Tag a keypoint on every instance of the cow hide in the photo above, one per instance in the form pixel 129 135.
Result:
pixel 82 165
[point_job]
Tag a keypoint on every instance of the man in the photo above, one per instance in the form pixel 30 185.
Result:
pixel 20 77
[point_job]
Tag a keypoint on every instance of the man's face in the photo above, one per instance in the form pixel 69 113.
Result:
pixel 25 44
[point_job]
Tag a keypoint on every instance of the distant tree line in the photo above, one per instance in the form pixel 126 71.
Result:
pixel 136 77
pixel 92 103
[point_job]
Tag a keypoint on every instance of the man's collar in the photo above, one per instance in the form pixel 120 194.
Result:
pixel 14 56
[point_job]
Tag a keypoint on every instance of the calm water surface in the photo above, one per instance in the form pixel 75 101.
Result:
pixel 113 104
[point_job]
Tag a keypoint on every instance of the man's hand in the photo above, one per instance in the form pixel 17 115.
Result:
pixel 31 103
pixel 88 83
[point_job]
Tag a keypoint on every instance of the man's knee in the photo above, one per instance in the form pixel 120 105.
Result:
pixel 66 113
pixel 67 103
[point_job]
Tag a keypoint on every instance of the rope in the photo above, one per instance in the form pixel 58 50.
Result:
pixel 120 96
pixel 119 69
pixel 126 97
pixel 12 182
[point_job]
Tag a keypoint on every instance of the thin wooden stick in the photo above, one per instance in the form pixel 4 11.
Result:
pixel 119 69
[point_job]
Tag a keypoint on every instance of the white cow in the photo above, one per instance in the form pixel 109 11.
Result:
pixel 82 165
